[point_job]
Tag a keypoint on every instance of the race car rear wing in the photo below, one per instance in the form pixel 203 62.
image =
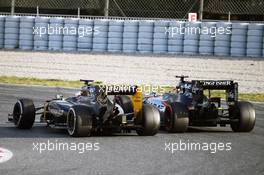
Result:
pixel 119 89
pixel 231 88
pixel 214 84
pixel 133 91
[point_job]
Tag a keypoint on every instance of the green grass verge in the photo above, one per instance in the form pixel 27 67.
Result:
pixel 40 82
pixel 257 97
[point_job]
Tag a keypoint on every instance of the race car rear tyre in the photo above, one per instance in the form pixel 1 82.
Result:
pixel 150 121
pixel 24 114
pixel 245 113
pixel 176 118
pixel 79 122
pixel 126 104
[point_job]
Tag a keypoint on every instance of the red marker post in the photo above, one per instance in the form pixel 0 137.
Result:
pixel 192 17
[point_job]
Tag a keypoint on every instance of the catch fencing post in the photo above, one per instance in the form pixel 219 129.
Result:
pixel 79 12
pixel 201 9
pixel 106 9
pixel 13 7
pixel 37 10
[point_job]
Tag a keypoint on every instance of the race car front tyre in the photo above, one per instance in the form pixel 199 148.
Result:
pixel 24 114
pixel 79 122
pixel 245 113
pixel 176 118
pixel 150 121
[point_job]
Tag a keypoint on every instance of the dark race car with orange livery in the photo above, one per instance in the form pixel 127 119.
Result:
pixel 94 110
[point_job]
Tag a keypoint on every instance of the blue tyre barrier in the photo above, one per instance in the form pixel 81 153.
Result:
pixel 239 39
pixel 85 36
pixel 115 36
pixel 160 37
pixel 206 42
pixel 175 35
pixel 2 30
pixel 26 33
pixel 191 38
pixel 145 36
pixel 223 40
pixel 56 36
pixel 71 34
pixel 100 38
pixel 255 36
pixel 11 27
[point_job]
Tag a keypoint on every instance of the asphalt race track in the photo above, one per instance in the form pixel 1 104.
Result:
pixel 125 153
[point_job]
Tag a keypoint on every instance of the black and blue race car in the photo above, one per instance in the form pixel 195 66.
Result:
pixel 191 106
pixel 95 110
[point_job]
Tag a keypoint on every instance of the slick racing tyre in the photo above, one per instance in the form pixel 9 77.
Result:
pixel 126 104
pixel 150 121
pixel 79 122
pixel 24 114
pixel 176 118
pixel 245 113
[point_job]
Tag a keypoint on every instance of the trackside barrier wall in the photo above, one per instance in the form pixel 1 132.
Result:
pixel 41 40
pixel 11 32
pixel 206 42
pixel 222 42
pixel 56 34
pixel 239 39
pixel 26 38
pixel 115 36
pixel 175 38
pixel 69 35
pixel 131 36
pixel 255 40
pixel 2 31
pixel 100 36
pixel 85 39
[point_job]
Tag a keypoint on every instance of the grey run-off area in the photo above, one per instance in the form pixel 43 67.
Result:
pixel 132 69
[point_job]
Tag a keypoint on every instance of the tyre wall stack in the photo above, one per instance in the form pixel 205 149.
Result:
pixel 2 31
pixel 255 40
pixel 85 36
pixel 41 37
pixel 132 36
pixel 56 34
pixel 11 40
pixel 26 37
pixel 145 36
pixel 191 38
pixel 263 46
pixel 70 34
pixel 206 42
pixel 160 37
pixel 115 36
pixel 223 41
pixel 239 39
pixel 175 37
pixel 100 38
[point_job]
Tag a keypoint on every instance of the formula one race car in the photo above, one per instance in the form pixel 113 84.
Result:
pixel 189 106
pixel 90 112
